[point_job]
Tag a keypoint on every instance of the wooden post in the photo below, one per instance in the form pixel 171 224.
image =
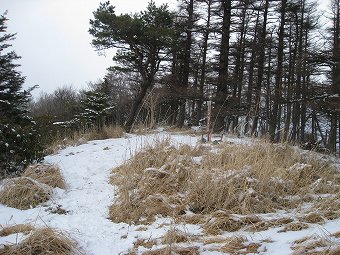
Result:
pixel 209 121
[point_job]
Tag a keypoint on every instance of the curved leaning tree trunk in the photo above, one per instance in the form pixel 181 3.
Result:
pixel 135 106
pixel 142 40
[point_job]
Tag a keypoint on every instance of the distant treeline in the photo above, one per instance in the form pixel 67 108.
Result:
pixel 270 68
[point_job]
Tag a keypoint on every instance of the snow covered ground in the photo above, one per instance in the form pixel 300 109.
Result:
pixel 88 195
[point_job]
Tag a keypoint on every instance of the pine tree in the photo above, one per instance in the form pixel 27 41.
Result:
pixel 18 137
pixel 142 40
pixel 96 108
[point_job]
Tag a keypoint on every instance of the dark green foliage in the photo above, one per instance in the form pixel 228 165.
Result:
pixel 18 137
pixel 95 107
pixel 143 41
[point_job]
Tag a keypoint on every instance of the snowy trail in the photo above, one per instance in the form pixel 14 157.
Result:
pixel 86 169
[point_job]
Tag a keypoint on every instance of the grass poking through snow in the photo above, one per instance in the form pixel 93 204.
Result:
pixel 224 188
pixel 15 229
pixel 33 188
pixel 216 182
pixel 43 241
pixel 24 193
pixel 47 174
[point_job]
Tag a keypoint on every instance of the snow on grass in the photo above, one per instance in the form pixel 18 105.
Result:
pixel 82 208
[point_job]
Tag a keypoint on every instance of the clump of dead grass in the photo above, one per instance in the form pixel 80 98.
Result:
pixel 150 183
pixel 329 207
pixel 19 228
pixel 334 251
pixel 114 131
pixel 107 132
pixel 266 224
pixel 43 241
pixel 170 250
pixel 238 245
pixel 336 234
pixel 61 143
pixel 259 178
pixel 221 221
pixel 24 193
pixel 194 218
pixel 235 179
pixel 78 138
pixel 294 226
pixel 47 174
pixel 144 243
pixel 175 236
pixel 315 244
pixel 313 218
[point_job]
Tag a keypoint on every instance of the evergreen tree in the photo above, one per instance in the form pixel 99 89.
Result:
pixel 18 137
pixel 95 108
pixel 142 40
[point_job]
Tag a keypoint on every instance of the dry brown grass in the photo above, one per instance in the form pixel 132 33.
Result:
pixel 227 178
pixel 43 241
pixel 194 218
pixel 220 222
pixel 294 226
pixel 215 240
pixel 237 245
pixel 145 243
pixel 175 236
pixel 256 179
pixel 114 131
pixel 330 207
pixel 334 251
pixel 24 193
pixel 265 225
pixel 336 234
pixel 19 228
pixel 47 174
pixel 171 250
pixel 62 143
pixel 150 183
pixel 315 245
pixel 183 130
pixel 313 218
pixel 80 138
pixel 142 129
pixel 107 132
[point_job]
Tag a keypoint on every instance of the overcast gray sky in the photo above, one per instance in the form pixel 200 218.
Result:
pixel 54 43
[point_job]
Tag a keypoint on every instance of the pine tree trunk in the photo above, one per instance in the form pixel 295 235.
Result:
pixel 239 61
pixel 261 63
pixel 223 74
pixel 186 62
pixel 335 89
pixel 135 106
pixel 251 75
pixel 204 63
pixel 273 122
